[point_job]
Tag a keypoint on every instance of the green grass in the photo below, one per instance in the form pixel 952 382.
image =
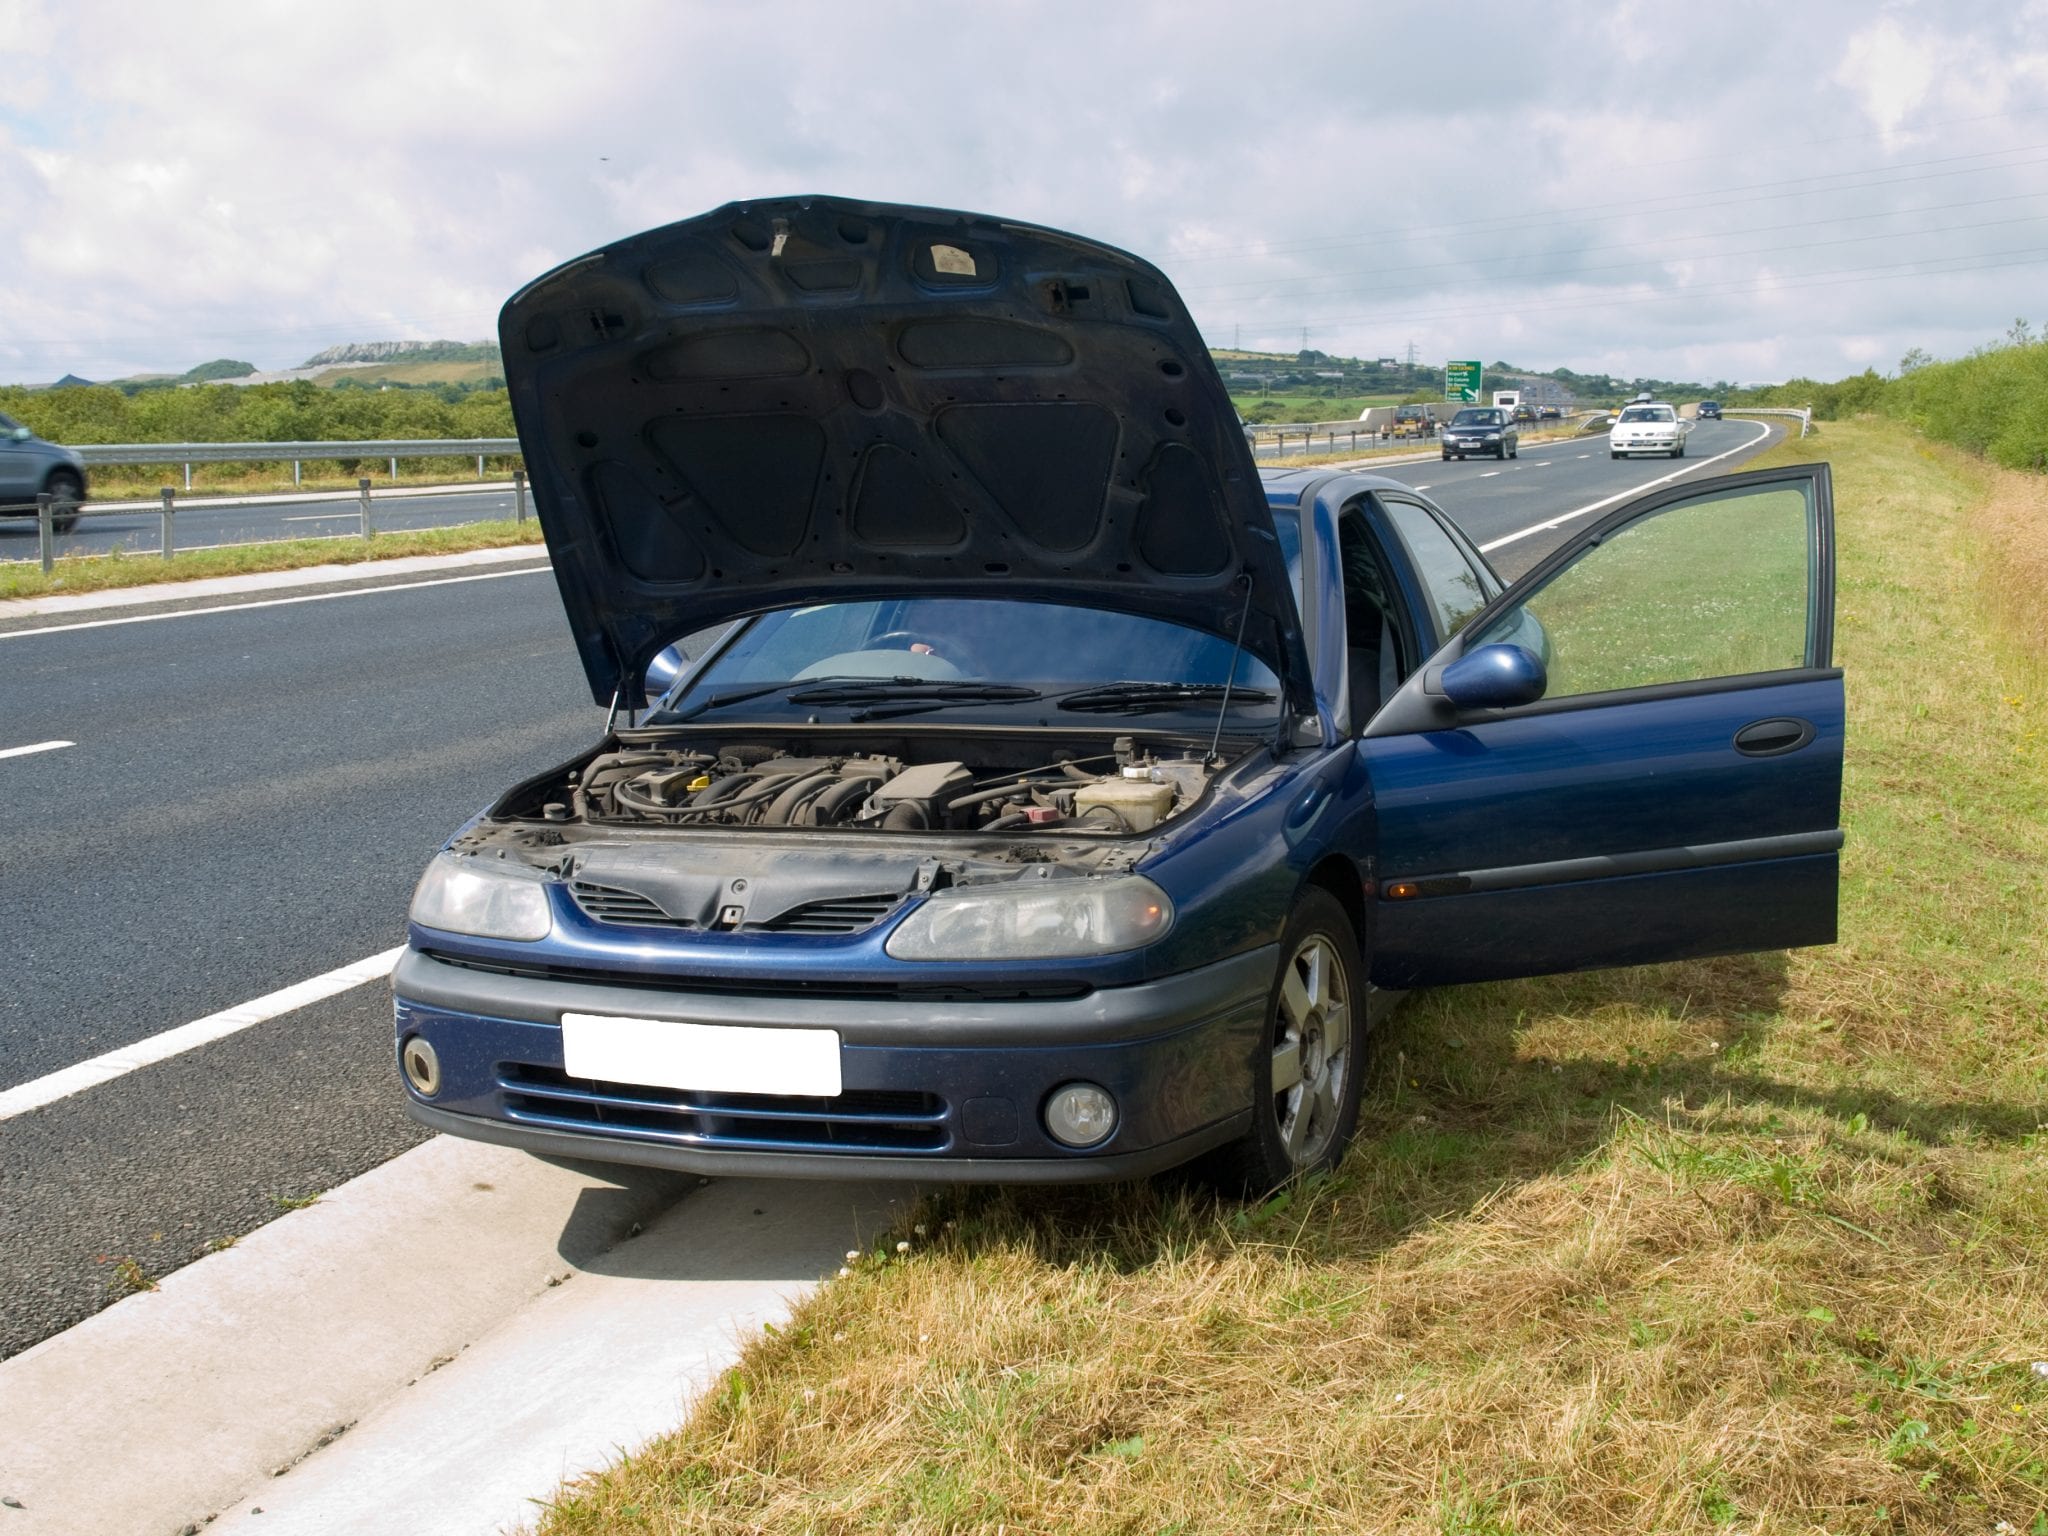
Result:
pixel 99 573
pixel 1749 1244
pixel 1697 592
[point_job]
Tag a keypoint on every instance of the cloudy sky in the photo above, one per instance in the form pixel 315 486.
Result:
pixel 1727 190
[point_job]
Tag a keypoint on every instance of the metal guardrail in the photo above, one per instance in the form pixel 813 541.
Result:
pixel 1804 413
pixel 1350 432
pixel 278 453
pixel 390 448
pixel 47 514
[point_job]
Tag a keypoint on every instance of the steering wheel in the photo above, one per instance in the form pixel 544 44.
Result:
pixel 909 637
pixel 952 651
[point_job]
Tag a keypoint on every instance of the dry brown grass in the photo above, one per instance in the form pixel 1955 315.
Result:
pixel 1751 1244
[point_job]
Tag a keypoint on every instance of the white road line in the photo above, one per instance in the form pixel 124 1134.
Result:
pixel 173 1042
pixel 268 602
pixel 1488 474
pixel 1541 464
pixel 1635 490
pixel 318 517
pixel 40 746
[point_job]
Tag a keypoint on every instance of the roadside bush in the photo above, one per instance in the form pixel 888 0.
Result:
pixel 257 413
pixel 1993 403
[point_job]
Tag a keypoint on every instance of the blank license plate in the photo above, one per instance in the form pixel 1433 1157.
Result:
pixel 710 1058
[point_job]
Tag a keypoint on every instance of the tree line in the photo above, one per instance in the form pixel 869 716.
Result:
pixel 257 413
pixel 1993 402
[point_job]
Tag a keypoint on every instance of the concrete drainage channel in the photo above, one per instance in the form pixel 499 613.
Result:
pixel 433 1346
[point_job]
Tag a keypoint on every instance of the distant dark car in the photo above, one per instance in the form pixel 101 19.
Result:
pixel 1710 410
pixel 1549 413
pixel 1481 429
pixel 29 467
pixel 1525 413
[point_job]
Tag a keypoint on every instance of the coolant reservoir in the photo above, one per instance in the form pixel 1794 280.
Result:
pixel 1139 801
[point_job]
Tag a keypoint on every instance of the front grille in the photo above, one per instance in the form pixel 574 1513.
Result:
pixel 862 1120
pixel 609 904
pixel 842 914
pixel 838 914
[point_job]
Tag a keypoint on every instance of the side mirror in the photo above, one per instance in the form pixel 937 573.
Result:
pixel 21 434
pixel 663 670
pixel 1495 677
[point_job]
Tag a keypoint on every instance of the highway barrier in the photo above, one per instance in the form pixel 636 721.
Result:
pixel 1803 414
pixel 48 513
pixel 295 454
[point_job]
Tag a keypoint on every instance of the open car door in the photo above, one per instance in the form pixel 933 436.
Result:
pixel 1633 754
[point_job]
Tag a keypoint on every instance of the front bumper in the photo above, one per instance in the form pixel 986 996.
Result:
pixel 936 1089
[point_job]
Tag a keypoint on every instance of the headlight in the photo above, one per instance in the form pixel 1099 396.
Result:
pixel 468 896
pixel 1035 919
pixel 1493 437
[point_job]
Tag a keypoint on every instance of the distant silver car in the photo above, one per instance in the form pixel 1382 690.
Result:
pixel 29 467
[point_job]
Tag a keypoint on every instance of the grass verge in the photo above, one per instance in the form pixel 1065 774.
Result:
pixel 99 573
pixel 1750 1244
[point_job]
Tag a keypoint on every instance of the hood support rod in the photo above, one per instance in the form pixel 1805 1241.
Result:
pixel 1230 677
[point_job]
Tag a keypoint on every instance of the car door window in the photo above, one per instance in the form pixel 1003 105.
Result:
pixel 1719 585
pixel 1455 588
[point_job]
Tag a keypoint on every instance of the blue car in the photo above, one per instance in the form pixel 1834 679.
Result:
pixel 1005 782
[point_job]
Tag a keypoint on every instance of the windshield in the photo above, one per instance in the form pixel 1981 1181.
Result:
pixel 1647 413
pixel 1476 419
pixel 1048 647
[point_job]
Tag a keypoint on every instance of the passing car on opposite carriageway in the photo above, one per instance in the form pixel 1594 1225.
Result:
pixel 1050 796
pixel 1651 428
pixel 30 467
pixel 1485 429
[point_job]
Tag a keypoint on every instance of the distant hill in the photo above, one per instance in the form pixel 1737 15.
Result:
pixel 219 368
pixel 404 352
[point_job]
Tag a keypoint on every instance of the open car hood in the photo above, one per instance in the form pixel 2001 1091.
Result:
pixel 812 400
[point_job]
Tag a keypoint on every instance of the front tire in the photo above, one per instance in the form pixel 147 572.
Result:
pixel 1614 453
pixel 1308 1077
pixel 66 492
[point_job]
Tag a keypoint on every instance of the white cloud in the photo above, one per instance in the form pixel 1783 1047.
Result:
pixel 1612 187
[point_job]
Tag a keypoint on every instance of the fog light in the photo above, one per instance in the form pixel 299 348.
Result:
pixel 1080 1114
pixel 422 1066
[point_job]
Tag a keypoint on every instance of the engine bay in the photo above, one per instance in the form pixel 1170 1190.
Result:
pixel 881 785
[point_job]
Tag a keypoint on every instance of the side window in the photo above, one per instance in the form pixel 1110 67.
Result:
pixel 1720 585
pixel 1455 587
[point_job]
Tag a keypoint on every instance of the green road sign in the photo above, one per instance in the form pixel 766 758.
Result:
pixel 1462 381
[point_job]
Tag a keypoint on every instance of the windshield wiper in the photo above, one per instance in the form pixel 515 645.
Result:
pixel 928 692
pixel 1127 696
pixel 909 688
pixel 888 699
pixel 741 695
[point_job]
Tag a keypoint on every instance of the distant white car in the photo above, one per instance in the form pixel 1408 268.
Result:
pixel 1652 428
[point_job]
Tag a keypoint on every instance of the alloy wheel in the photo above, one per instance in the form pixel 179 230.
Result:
pixel 1312 1057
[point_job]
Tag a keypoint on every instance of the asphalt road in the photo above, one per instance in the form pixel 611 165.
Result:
pixel 251 796
pixel 201 522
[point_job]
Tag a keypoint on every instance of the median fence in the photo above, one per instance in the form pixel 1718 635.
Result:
pixel 295 454
pixel 54 519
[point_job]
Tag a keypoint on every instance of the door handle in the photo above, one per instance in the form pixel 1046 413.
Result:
pixel 1774 737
